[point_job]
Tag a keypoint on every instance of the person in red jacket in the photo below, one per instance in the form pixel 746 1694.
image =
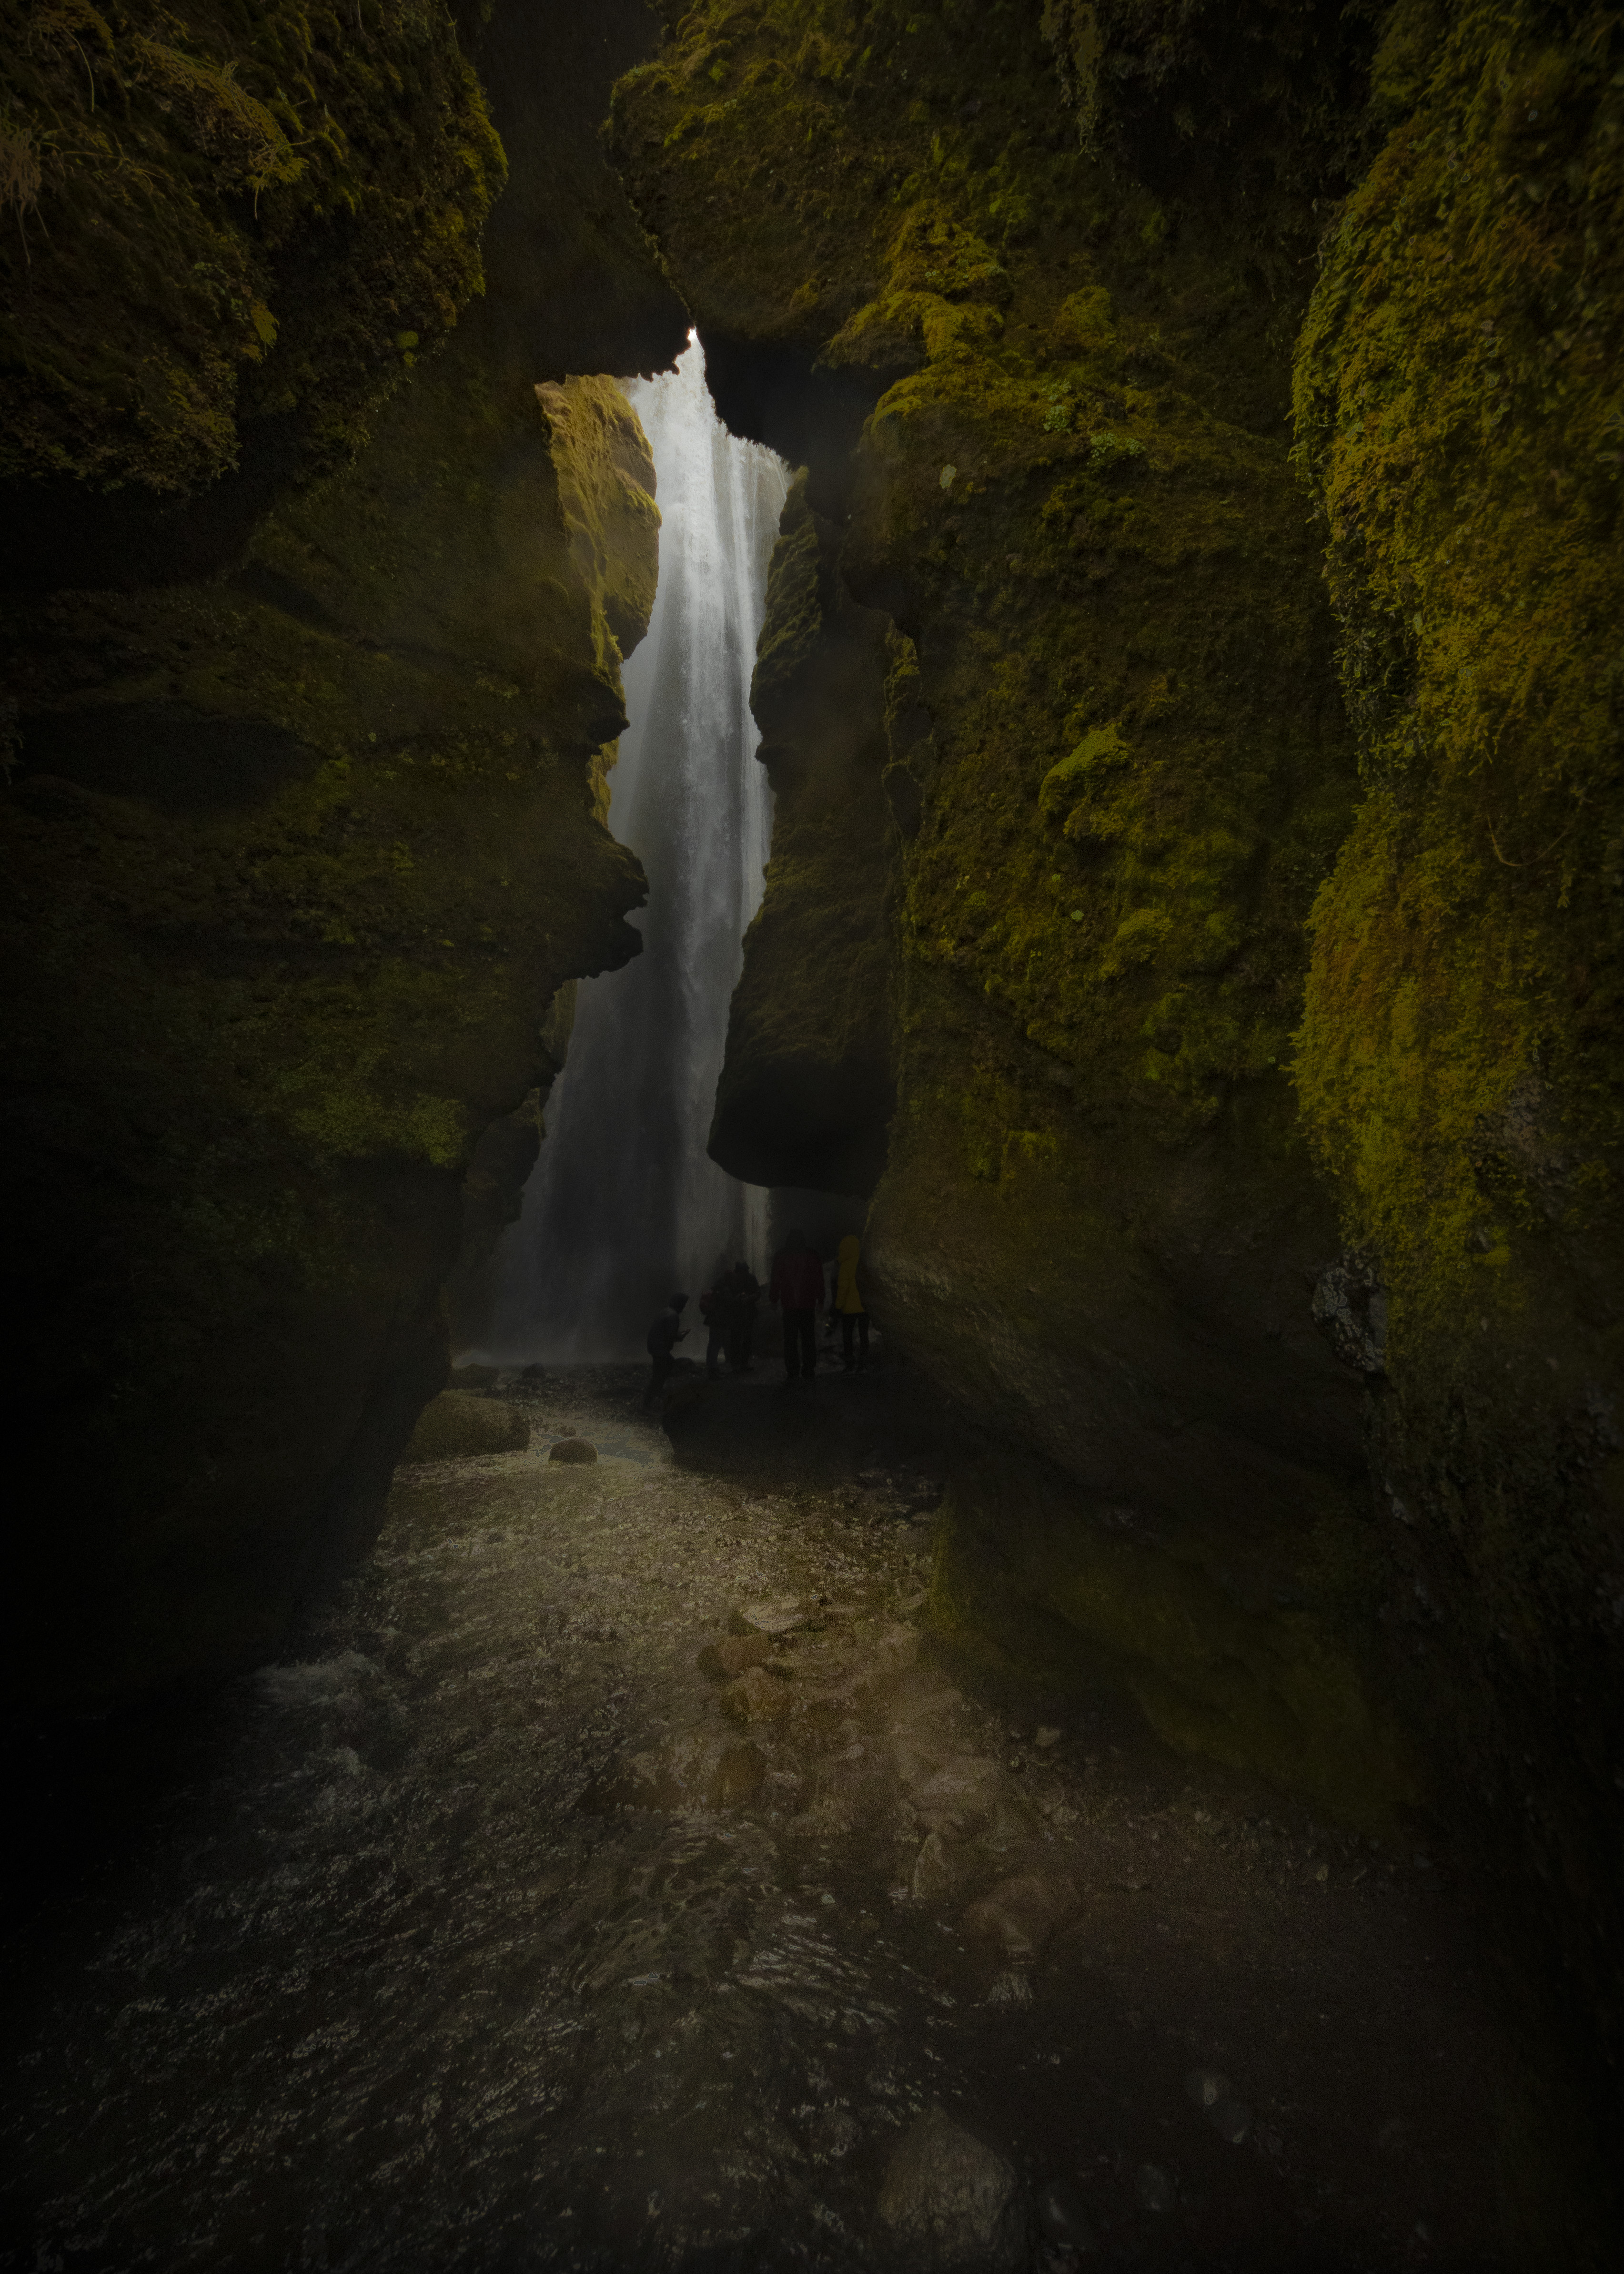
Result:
pixel 797 1286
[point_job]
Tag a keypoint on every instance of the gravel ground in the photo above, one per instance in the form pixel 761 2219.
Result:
pixel 614 1872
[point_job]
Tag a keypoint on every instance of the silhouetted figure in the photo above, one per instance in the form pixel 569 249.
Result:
pixel 664 1335
pixel 849 1304
pixel 798 1285
pixel 741 1337
pixel 716 1308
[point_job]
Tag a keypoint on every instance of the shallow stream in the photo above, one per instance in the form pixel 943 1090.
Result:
pixel 494 1930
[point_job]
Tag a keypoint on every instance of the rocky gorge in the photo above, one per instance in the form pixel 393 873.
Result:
pixel 1189 687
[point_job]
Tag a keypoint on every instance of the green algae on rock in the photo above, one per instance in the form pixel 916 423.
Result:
pixel 219 217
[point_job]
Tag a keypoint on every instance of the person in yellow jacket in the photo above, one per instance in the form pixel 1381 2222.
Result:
pixel 849 1304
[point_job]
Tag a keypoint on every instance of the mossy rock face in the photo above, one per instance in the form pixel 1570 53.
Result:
pixel 1104 769
pixel 296 857
pixel 806 1088
pixel 1250 923
pixel 457 1426
pixel 1458 1061
pixel 228 229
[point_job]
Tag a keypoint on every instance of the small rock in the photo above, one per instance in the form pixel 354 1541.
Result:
pixel 474 1377
pixel 1062 2217
pixel 757 1696
pixel 1214 2095
pixel 1048 1738
pixel 1206 2087
pixel 955 2202
pixel 1230 2119
pixel 685 1773
pixel 733 1655
pixel 1154 2187
pixel 771 1618
pixel 532 1373
pixel 572 1449
pixel 1022 1913
pixel 938 1870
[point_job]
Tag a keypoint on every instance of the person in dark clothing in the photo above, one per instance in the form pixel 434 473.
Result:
pixel 797 1286
pixel 664 1335
pixel 745 1289
pixel 717 1309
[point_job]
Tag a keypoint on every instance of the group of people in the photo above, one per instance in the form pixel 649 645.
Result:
pixel 798 1289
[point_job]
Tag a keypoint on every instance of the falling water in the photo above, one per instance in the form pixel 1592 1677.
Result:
pixel 625 1204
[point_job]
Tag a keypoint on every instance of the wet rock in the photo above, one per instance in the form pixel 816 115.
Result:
pixel 771 1618
pixel 1154 2187
pixel 940 1869
pixel 757 1696
pixel 572 1449
pixel 459 1423
pixel 1021 1914
pixel 708 1772
pixel 733 1655
pixel 474 1377
pixel 953 2202
pixel 961 1794
pixel 1062 2217
pixel 1214 2095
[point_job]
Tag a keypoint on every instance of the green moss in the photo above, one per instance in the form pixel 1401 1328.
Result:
pixel 218 216
pixel 1456 405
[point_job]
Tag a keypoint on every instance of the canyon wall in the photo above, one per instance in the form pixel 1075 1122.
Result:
pixel 312 667
pixel 1223 594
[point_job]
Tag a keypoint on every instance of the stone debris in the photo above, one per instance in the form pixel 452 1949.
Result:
pixel 686 1773
pixel 1021 1914
pixel 1154 2188
pixel 1048 1738
pixel 1063 2217
pixel 954 2204
pixel 772 1618
pixel 1214 2095
pixel 571 1448
pixel 758 1696
pixel 940 1869
pixel 733 1655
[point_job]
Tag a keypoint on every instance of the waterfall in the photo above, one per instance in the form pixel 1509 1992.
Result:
pixel 625 1205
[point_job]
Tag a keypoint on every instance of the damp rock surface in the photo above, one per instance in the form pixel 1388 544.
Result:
pixel 477 1930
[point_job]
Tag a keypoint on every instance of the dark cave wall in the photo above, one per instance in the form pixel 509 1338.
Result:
pixel 304 827
pixel 1241 481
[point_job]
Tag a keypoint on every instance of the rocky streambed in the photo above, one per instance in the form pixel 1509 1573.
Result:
pixel 614 1875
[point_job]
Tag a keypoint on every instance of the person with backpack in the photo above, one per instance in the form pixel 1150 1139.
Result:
pixel 797 1285
pixel 664 1335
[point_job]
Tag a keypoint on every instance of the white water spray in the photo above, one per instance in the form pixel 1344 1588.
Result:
pixel 625 1205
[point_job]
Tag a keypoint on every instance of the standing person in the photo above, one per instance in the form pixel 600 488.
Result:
pixel 717 1309
pixel 664 1335
pixel 798 1285
pixel 854 1312
pixel 741 1341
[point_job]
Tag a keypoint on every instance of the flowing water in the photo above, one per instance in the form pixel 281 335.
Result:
pixel 500 1927
pixel 625 1206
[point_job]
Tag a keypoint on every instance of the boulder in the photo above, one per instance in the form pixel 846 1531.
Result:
pixel 757 1696
pixel 459 1423
pixel 1021 1914
pixel 474 1377
pixel 953 2202
pixel 734 1654
pixel 572 1449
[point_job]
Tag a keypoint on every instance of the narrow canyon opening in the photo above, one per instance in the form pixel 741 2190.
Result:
pixel 625 1205
pixel 1057 735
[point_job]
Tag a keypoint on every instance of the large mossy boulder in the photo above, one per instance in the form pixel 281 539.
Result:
pixel 459 1425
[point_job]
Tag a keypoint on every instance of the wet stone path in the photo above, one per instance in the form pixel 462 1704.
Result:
pixel 615 1876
